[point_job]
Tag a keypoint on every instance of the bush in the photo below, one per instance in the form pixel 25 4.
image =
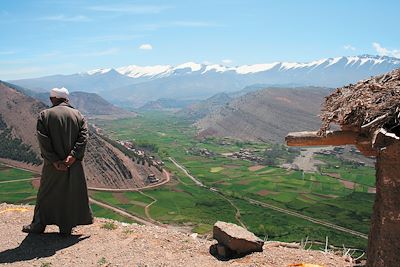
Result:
pixel 109 226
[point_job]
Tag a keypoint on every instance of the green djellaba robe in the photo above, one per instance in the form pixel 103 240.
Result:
pixel 62 197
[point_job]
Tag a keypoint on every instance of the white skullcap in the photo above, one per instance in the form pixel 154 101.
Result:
pixel 59 93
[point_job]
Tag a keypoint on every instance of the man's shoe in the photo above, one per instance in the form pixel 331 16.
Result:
pixel 33 229
pixel 65 232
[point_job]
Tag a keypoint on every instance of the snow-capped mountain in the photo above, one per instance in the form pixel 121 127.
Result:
pixel 159 71
pixel 192 80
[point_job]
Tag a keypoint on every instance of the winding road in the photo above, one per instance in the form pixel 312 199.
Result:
pixel 162 182
pixel 121 212
pixel 197 182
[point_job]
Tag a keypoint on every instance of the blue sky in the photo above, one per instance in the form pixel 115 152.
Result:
pixel 43 37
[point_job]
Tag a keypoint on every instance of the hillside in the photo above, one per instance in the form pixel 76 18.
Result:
pixel 266 115
pixel 131 245
pixel 92 104
pixel 201 109
pixel 105 165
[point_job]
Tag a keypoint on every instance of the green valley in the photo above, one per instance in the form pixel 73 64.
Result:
pixel 231 189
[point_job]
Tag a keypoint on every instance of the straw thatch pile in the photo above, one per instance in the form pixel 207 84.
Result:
pixel 365 106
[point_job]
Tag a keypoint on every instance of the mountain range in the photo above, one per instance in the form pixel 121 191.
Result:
pixel 135 85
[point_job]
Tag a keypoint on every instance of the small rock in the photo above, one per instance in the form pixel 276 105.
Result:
pixel 236 238
pixel 194 235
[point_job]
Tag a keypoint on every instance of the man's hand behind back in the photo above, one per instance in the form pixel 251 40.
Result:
pixel 69 161
pixel 60 166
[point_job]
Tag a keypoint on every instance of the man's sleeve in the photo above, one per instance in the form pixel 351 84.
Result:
pixel 79 148
pixel 45 144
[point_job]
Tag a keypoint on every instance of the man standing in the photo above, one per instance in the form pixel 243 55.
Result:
pixel 62 198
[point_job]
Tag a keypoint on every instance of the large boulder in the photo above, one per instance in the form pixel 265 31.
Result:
pixel 236 239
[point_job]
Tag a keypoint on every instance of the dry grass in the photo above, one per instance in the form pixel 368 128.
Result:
pixel 366 106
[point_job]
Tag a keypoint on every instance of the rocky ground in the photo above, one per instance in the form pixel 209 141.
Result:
pixel 129 245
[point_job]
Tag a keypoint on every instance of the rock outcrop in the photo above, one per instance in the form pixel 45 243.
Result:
pixel 235 241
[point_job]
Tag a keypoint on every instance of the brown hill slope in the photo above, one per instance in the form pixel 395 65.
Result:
pixel 132 245
pixel 266 115
pixel 201 109
pixel 105 165
pixel 92 104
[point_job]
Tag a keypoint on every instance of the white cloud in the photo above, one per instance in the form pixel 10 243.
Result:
pixel 146 47
pixel 132 9
pixel 382 51
pixel 227 61
pixel 64 18
pixel 349 47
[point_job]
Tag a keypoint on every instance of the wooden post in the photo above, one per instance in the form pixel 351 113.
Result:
pixel 336 138
pixel 384 236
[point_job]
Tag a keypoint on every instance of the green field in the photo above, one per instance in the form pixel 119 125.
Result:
pixel 19 190
pixel 348 170
pixel 8 173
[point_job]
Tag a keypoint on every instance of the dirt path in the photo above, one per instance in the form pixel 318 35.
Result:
pixel 197 182
pixel 121 212
pixel 167 180
pixel 147 208
pixel 20 165
pixel 20 180
pixel 237 214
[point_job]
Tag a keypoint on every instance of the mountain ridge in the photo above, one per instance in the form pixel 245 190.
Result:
pixel 134 85
pixel 157 71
